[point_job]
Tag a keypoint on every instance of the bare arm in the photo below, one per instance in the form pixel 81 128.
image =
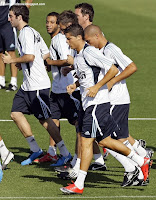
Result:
pixel 59 63
pixel 128 71
pixel 92 91
pixel 24 59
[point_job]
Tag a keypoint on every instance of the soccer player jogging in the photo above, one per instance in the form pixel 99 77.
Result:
pixel 33 95
pixel 119 95
pixel 91 65
pixel 61 103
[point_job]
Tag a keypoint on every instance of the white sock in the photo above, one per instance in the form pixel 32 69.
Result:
pixel 80 179
pixel 62 148
pixel 139 149
pixel 74 160
pixel 2 80
pixel 3 150
pixel 13 81
pixel 52 150
pixel 99 158
pixel 136 158
pixel 33 144
pixel 77 165
pixel 127 143
pixel 0 166
pixel 123 160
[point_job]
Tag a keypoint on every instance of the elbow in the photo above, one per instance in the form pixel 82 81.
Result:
pixel 134 67
pixel 31 58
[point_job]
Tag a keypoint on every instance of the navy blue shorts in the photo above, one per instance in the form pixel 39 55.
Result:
pixel 120 115
pixel 32 102
pixel 98 123
pixel 7 38
pixel 64 106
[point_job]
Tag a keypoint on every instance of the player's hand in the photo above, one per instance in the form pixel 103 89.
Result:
pixel 71 88
pixel 92 91
pixel 70 60
pixel 18 65
pixel 65 70
pixel 6 58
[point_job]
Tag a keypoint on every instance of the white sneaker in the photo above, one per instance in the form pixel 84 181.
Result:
pixel 7 159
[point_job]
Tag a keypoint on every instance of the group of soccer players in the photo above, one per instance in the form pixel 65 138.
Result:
pixel 88 88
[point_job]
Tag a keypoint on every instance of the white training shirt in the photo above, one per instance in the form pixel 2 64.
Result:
pixel 92 56
pixel 31 42
pixel 59 50
pixel 119 93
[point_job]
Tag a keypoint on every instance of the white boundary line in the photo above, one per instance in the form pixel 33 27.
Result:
pixel 131 119
pixel 100 197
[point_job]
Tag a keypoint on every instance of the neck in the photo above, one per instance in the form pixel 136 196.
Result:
pixel 80 47
pixel 102 43
pixel 86 24
pixel 21 25
pixel 55 33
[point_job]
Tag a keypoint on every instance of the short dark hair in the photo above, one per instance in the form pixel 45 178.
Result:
pixel 21 10
pixel 66 17
pixel 75 30
pixel 86 9
pixel 53 14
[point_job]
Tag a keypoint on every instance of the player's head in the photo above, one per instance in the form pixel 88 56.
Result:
pixel 18 14
pixel 51 23
pixel 85 14
pixel 66 18
pixel 93 35
pixel 75 35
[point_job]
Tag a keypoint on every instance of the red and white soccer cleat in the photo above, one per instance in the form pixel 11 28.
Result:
pixel 145 168
pixel 71 189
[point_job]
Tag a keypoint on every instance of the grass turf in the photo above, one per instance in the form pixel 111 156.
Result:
pixel 130 25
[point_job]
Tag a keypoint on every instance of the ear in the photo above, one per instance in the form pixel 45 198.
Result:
pixel 79 37
pixel 20 17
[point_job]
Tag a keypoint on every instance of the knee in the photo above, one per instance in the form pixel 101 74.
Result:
pixel 13 116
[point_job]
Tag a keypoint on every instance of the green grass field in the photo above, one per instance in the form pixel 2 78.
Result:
pixel 130 25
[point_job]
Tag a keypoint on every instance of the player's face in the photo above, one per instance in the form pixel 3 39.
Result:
pixel 62 27
pixel 71 41
pixel 80 17
pixel 91 40
pixel 13 19
pixel 51 25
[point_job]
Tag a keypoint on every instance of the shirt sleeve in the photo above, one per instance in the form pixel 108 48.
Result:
pixel 44 48
pixel 117 55
pixel 94 57
pixel 27 42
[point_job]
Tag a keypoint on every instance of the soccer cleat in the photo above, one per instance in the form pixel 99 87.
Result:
pixel 32 157
pixel 63 168
pixel 149 152
pixel 145 168
pixel 63 175
pixel 46 158
pixel 73 174
pixel 142 143
pixel 2 87
pixel 11 88
pixel 129 177
pixel 105 153
pixel 62 161
pixel 97 166
pixel 71 189
pixel 7 159
pixel 1 175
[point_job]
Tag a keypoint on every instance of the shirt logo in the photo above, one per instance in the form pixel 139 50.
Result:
pixel 12 45
pixel 87 133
